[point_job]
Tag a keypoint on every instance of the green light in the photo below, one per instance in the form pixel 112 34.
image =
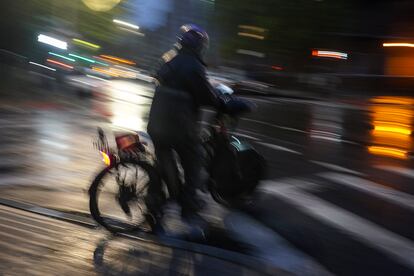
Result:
pixel 57 55
pixel 83 58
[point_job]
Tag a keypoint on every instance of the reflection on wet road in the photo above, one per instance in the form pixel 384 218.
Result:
pixel 392 119
pixel 37 245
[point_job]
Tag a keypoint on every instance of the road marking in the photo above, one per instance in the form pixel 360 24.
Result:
pixel 266 244
pixel 336 167
pixel 289 183
pixel 261 100
pixel 265 123
pixel 274 125
pixel 401 171
pixel 325 103
pixel 396 197
pixel 395 246
pixel 280 148
pixel 246 136
pixel 235 133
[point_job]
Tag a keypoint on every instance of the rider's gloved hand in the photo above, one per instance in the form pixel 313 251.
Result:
pixel 234 105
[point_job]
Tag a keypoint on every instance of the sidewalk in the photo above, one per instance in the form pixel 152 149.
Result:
pixel 36 245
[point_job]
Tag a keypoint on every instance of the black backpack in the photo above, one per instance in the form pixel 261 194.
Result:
pixel 236 168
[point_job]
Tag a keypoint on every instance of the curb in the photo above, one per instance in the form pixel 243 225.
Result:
pixel 218 253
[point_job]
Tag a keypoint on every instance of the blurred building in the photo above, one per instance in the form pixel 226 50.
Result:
pixel 159 38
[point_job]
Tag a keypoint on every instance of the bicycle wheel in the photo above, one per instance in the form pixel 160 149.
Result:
pixel 117 195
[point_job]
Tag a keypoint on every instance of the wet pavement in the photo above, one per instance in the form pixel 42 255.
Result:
pixel 36 245
pixel 337 185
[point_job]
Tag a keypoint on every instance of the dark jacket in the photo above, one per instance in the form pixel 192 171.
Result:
pixel 183 88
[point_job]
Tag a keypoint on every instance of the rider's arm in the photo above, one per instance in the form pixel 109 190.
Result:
pixel 202 89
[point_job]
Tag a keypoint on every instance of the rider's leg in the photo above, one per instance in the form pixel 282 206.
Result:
pixel 155 198
pixel 167 166
pixel 190 154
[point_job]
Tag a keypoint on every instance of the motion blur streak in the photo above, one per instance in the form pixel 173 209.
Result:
pixel 251 53
pixel 391 131
pixel 123 73
pixel 330 54
pixel 97 78
pixel 252 28
pixel 105 71
pixel 85 43
pixel 123 23
pixel 398 44
pixel 279 68
pixel 61 56
pixel 43 66
pixel 131 31
pixel 101 6
pixel 52 41
pixel 121 60
pixel 392 152
pixel 127 68
pixel 393 100
pixel 59 63
pixel 83 58
pixel 251 35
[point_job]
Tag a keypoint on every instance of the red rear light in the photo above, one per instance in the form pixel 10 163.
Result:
pixel 126 141
pixel 278 68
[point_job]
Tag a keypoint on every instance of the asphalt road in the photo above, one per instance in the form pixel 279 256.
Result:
pixel 337 185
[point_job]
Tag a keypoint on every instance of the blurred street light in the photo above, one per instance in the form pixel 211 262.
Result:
pixel 391 132
pixel 250 53
pixel 398 44
pixel 52 41
pixel 82 58
pixel 251 35
pixel 85 43
pixel 132 31
pixel 329 54
pixel 125 24
pixel 252 28
pixel 61 56
pixel 43 66
pixel 61 64
pixel 116 59
pixel 101 5
pixel 252 32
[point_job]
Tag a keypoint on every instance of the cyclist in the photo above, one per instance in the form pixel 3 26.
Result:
pixel 182 88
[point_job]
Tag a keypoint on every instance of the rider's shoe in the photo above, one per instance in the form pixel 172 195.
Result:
pixel 155 224
pixel 197 227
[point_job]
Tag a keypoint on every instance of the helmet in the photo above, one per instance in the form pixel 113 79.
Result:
pixel 194 38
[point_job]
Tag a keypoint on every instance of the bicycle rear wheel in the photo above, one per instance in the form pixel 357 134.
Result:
pixel 117 195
